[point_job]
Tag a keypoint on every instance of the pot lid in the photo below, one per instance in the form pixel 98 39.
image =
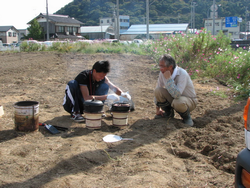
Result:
pixel 93 102
pixel 121 102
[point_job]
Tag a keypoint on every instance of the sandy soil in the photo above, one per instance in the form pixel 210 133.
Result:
pixel 164 153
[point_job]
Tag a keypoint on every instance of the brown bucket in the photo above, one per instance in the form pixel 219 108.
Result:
pixel 26 116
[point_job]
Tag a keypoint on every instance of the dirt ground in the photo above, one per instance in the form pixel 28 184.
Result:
pixel 164 153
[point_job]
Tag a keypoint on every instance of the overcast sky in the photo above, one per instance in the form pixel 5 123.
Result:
pixel 18 13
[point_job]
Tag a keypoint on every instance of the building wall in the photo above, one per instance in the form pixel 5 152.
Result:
pixel 22 33
pixel 54 28
pixel 220 25
pixel 151 35
pixel 96 36
pixel 106 21
pixel 3 37
pixel 11 36
pixel 123 22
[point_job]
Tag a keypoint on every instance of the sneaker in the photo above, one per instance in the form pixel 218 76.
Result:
pixel 104 116
pixel 77 117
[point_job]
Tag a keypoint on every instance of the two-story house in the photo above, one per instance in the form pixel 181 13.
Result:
pixel 8 34
pixel 60 26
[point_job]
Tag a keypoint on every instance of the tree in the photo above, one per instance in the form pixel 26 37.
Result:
pixel 35 30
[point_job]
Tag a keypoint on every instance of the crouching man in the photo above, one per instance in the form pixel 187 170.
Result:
pixel 174 91
pixel 88 85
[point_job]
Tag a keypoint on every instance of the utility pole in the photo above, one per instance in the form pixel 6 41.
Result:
pixel 147 14
pixel 193 4
pixel 118 20
pixel 246 25
pixel 115 22
pixel 191 19
pixel 47 20
pixel 213 17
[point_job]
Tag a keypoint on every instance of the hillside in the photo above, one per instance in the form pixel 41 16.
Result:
pixel 161 11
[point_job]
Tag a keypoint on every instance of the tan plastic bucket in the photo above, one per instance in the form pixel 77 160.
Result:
pixel 120 119
pixel 93 120
pixel 26 116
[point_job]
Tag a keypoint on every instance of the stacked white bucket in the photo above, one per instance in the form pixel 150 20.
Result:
pixel 93 120
pixel 1 111
pixel 120 119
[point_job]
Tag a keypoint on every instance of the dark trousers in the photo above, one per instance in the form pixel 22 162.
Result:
pixel 73 99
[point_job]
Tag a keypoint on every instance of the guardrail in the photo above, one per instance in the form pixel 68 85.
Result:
pixel 240 44
pixel 10 48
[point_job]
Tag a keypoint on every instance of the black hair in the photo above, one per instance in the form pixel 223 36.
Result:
pixel 101 66
pixel 169 60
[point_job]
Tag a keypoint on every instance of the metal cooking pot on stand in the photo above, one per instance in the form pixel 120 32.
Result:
pixel 120 106
pixel 93 105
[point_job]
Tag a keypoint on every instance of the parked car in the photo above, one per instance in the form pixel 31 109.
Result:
pixel 138 41
pixel 242 169
pixel 18 44
pixel 6 44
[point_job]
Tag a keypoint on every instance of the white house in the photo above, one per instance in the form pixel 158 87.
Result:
pixel 8 34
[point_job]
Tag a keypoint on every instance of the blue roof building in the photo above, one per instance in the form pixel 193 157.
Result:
pixel 155 30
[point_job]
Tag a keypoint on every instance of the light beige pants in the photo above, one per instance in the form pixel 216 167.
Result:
pixel 180 105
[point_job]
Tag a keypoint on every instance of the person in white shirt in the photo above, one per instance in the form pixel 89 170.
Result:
pixel 174 91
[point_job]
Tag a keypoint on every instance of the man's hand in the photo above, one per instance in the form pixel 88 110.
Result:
pixel 167 74
pixel 159 111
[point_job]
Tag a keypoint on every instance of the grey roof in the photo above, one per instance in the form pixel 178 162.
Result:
pixel 6 28
pixel 155 28
pixel 60 19
pixel 94 29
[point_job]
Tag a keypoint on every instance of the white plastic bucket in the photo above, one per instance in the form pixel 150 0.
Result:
pixel 120 119
pixel 93 120
pixel 26 116
pixel 1 111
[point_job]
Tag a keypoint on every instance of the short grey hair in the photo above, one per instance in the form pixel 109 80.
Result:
pixel 168 60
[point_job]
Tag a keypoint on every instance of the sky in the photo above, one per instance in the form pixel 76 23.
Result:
pixel 18 13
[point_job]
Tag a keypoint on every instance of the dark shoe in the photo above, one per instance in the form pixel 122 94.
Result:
pixel 77 117
pixel 187 118
pixel 169 113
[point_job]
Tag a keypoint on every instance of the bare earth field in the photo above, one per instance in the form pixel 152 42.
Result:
pixel 164 153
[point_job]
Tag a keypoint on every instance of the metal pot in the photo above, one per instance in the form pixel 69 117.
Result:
pixel 93 105
pixel 120 107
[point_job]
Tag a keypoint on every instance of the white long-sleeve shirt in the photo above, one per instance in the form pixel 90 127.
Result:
pixel 180 85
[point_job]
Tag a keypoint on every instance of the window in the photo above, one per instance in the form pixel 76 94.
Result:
pixel 14 34
pixel 70 29
pixel 9 34
pixel 217 24
pixel 101 21
pixel 107 21
pixel 60 29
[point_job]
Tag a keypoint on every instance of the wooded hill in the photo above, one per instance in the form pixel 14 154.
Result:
pixel 161 11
